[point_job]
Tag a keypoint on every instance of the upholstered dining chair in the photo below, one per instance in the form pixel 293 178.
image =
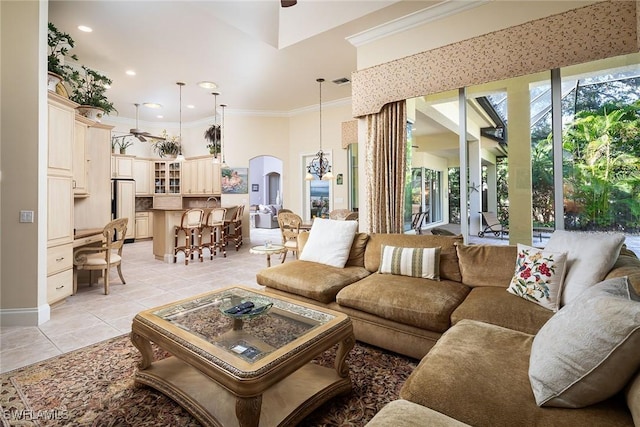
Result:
pixel 103 257
pixel 289 223
pixel 215 224
pixel 190 224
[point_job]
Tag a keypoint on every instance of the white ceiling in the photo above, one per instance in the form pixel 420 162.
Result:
pixel 264 58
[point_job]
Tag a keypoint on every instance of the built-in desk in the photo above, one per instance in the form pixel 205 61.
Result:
pixel 87 236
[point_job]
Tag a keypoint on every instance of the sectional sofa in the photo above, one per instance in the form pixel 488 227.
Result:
pixel 475 339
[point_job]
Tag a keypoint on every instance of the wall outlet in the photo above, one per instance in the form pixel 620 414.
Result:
pixel 26 216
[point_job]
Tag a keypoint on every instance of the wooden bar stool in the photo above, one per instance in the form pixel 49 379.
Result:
pixel 215 223
pixel 190 224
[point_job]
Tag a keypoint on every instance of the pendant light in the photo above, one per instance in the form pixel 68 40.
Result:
pixel 319 166
pixel 223 164
pixel 215 130
pixel 180 157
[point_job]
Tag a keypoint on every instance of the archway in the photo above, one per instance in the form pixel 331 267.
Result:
pixel 265 197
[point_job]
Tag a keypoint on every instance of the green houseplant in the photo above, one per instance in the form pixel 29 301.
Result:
pixel 59 44
pixel 89 90
pixel 168 146
pixel 213 135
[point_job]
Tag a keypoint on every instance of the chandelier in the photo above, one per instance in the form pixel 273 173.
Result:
pixel 180 156
pixel 319 166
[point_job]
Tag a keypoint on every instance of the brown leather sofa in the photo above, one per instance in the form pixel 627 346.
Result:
pixel 476 373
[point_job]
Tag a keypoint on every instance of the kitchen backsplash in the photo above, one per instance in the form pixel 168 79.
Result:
pixel 144 203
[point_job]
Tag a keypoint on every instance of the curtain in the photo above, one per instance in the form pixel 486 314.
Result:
pixel 386 168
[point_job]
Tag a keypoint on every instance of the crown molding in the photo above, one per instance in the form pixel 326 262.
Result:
pixel 415 19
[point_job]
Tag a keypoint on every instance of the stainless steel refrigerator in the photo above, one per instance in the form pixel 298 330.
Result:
pixel 123 204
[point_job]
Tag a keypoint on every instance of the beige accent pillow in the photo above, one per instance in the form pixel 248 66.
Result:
pixel 590 256
pixel 538 276
pixel 589 349
pixel 486 265
pixel 329 242
pixel 413 262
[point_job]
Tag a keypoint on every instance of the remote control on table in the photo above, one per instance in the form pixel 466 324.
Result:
pixel 243 308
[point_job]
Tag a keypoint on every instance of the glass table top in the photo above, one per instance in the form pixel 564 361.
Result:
pixel 250 335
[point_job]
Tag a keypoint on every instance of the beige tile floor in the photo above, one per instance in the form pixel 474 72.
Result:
pixel 90 316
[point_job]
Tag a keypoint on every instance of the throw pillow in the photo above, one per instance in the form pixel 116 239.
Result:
pixel 329 242
pixel 414 262
pixel 589 349
pixel 590 256
pixel 538 276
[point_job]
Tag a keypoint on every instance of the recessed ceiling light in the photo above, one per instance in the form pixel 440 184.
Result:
pixel 207 85
pixel 85 28
pixel 160 116
pixel 152 105
pixel 131 73
pixel 191 106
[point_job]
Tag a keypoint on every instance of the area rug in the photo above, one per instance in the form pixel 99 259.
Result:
pixel 93 386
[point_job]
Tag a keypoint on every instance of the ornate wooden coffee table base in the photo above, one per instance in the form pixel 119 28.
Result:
pixel 282 391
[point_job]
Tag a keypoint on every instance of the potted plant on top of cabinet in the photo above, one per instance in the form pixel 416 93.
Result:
pixel 89 91
pixel 59 44
pixel 212 134
pixel 167 146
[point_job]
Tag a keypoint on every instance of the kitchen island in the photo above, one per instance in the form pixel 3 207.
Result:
pixel 164 225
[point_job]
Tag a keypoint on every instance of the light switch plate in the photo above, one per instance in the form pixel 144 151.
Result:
pixel 26 216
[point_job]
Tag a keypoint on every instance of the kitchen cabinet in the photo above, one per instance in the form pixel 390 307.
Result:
pixel 61 144
pixel 124 193
pixel 167 177
pixel 144 225
pixel 142 176
pixel 201 177
pixel 122 166
pixel 80 159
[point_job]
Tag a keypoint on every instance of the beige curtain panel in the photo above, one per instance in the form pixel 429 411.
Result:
pixel 386 168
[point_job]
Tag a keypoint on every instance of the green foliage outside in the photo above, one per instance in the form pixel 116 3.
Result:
pixel 601 165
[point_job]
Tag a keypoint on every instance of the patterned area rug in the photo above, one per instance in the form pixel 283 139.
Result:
pixel 94 386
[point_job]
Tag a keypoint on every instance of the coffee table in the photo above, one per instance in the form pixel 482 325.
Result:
pixel 245 371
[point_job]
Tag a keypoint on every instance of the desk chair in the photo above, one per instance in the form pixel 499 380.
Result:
pixel 190 225
pixel 104 257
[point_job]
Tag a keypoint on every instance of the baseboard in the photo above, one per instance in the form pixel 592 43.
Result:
pixel 25 316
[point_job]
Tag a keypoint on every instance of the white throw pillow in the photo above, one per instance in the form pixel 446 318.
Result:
pixel 329 242
pixel 414 262
pixel 589 349
pixel 538 276
pixel 590 256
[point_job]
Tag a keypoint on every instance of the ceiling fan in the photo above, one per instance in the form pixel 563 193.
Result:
pixel 142 135
pixel 288 3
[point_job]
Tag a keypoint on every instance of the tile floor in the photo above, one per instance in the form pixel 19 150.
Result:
pixel 90 316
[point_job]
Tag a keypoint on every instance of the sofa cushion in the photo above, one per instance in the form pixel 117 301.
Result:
pixel 319 282
pixel 448 259
pixel 486 265
pixel 590 349
pixel 538 276
pixel 417 302
pixel 628 265
pixel 590 256
pixel 402 413
pixel 413 262
pixel 329 242
pixel 493 305
pixel 358 247
pixel 477 374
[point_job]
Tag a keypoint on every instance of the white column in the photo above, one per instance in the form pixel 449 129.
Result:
pixel 475 187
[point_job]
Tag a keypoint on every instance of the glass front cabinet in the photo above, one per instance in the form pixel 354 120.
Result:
pixel 166 177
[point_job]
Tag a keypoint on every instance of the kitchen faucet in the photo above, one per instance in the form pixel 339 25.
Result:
pixel 213 199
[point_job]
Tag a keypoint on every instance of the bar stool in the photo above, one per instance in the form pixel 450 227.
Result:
pixel 215 222
pixel 190 223
pixel 234 228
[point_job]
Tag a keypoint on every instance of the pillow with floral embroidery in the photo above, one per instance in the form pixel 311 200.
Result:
pixel 539 275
